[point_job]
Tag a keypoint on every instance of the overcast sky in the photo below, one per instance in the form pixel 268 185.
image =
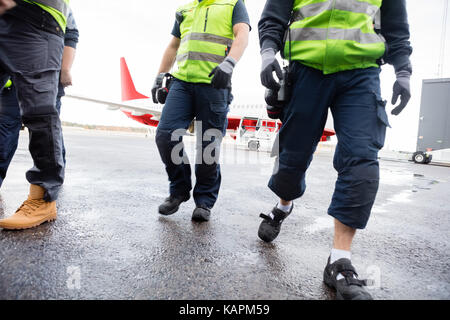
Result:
pixel 139 30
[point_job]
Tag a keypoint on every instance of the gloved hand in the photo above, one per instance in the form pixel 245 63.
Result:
pixel 156 86
pixel 402 89
pixel 222 74
pixel 269 65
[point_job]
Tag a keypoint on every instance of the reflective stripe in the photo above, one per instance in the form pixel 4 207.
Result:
pixel 344 5
pixel 200 56
pixel 208 38
pixel 59 5
pixel 377 20
pixel 305 34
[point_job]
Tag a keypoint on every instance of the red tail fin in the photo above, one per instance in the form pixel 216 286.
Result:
pixel 128 89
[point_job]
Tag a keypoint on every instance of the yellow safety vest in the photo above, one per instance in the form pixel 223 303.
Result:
pixel 206 38
pixel 335 35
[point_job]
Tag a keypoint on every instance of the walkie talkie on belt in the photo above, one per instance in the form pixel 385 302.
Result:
pixel 277 99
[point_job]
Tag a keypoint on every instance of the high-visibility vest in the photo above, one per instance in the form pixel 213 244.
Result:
pixel 206 38
pixel 59 9
pixel 8 84
pixel 335 35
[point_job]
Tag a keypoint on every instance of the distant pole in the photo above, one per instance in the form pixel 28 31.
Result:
pixel 443 40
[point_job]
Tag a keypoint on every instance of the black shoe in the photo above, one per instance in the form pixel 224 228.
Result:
pixel 172 203
pixel 201 214
pixel 270 228
pixel 348 288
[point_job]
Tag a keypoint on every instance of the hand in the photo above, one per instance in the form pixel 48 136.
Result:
pixel 222 74
pixel 269 65
pixel 65 78
pixel 6 5
pixel 157 85
pixel 401 89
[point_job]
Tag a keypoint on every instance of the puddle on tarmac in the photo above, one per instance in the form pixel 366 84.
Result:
pixel 414 180
pixel 320 223
pixel 402 197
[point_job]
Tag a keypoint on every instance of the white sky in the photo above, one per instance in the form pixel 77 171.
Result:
pixel 139 30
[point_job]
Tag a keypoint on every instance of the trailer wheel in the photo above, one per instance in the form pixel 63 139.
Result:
pixel 419 157
pixel 253 145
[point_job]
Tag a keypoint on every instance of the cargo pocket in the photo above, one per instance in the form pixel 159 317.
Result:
pixel 44 97
pixel 382 122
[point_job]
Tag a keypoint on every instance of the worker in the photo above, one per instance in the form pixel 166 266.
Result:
pixel 336 49
pixel 209 38
pixel 31 47
pixel 10 119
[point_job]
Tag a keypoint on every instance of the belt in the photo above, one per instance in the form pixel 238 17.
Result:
pixel 34 15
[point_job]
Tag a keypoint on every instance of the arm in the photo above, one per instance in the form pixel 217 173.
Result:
pixel 240 43
pixel 395 29
pixel 169 56
pixel 224 71
pixel 274 22
pixel 272 27
pixel 167 63
pixel 6 5
pixel 66 66
pixel 70 44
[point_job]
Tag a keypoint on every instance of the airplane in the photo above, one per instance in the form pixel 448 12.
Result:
pixel 141 108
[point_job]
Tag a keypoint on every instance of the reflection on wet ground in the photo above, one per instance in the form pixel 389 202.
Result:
pixel 110 243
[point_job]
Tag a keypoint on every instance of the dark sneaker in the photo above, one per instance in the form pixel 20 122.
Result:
pixel 270 228
pixel 172 203
pixel 201 214
pixel 349 287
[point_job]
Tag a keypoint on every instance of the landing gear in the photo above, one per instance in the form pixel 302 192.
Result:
pixel 421 157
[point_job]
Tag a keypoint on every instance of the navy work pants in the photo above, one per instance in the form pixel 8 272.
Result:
pixel 209 107
pixel 10 125
pixel 32 58
pixel 360 122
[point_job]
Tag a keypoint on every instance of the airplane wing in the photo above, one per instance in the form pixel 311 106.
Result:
pixel 135 110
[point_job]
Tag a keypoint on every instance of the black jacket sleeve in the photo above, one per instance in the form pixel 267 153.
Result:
pixel 274 22
pixel 395 29
pixel 71 36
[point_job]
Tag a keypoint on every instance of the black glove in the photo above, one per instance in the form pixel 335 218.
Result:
pixel 269 65
pixel 157 85
pixel 222 74
pixel 401 88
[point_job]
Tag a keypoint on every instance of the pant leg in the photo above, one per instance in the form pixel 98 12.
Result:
pixel 360 122
pixel 10 124
pixel 176 117
pixel 58 108
pixel 33 58
pixel 211 109
pixel 303 120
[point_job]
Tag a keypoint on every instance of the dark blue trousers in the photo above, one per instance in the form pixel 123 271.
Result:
pixel 209 107
pixel 10 124
pixel 360 122
pixel 32 58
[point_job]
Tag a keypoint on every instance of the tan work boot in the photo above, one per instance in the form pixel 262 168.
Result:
pixel 33 212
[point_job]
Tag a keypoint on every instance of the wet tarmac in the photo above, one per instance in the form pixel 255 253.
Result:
pixel 109 242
